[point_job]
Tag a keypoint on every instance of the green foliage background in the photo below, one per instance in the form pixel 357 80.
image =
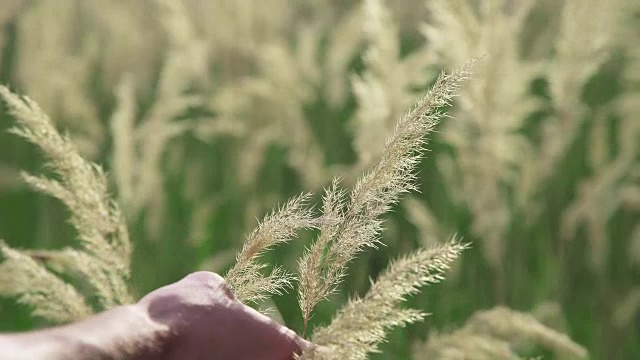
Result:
pixel 538 266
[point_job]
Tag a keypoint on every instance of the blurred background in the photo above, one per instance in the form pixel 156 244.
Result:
pixel 208 114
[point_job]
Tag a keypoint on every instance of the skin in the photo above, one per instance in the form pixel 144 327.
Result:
pixel 195 318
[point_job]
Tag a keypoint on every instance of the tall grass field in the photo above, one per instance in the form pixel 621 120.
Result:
pixel 391 179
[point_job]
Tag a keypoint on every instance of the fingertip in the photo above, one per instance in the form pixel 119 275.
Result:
pixel 210 280
pixel 205 277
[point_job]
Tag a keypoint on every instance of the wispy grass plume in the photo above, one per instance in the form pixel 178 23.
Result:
pixel 82 187
pixel 245 277
pixel 352 225
pixel 364 322
pixel 498 333
pixel 51 297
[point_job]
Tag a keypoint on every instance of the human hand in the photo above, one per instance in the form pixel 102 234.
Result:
pixel 195 318
pixel 206 321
